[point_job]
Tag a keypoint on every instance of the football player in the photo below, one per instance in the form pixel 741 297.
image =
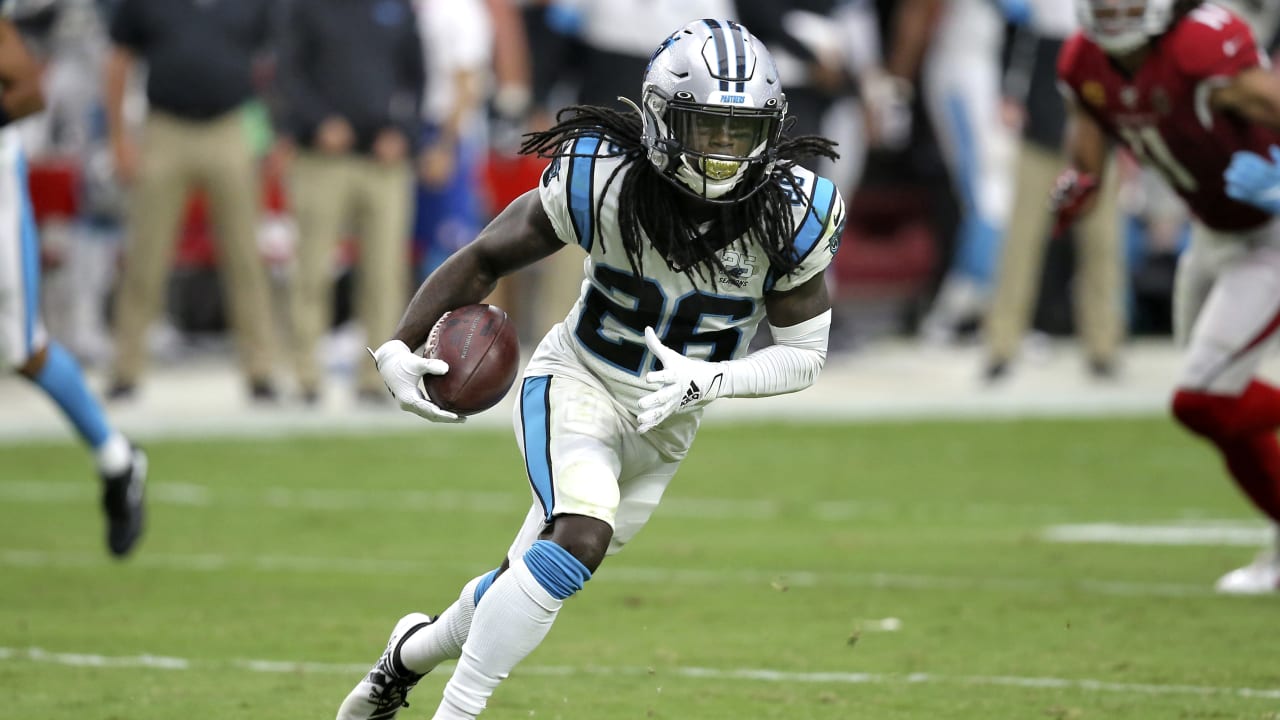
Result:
pixel 24 344
pixel 1184 85
pixel 697 224
pixel 955 46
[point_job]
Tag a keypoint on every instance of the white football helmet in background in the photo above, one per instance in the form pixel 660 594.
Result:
pixel 1122 26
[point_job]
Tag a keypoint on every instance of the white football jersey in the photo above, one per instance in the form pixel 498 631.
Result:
pixel 713 318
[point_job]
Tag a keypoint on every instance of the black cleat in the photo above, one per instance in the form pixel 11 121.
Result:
pixel 381 694
pixel 122 502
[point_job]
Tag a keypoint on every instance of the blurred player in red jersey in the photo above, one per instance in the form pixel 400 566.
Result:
pixel 1183 85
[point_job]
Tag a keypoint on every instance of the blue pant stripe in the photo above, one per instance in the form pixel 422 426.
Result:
pixel 535 420
pixel 978 241
pixel 29 242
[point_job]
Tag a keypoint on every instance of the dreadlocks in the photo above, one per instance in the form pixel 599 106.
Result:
pixel 649 204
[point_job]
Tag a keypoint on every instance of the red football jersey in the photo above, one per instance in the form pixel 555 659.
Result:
pixel 1162 112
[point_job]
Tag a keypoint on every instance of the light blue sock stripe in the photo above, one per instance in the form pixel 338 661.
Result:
pixel 558 572
pixel 483 586
pixel 62 380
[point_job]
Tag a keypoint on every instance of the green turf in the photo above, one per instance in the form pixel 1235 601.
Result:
pixel 775 554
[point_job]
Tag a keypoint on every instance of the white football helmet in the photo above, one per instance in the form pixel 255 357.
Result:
pixel 1122 26
pixel 712 108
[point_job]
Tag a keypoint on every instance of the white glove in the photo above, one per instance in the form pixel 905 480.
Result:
pixel 402 370
pixel 888 107
pixel 684 384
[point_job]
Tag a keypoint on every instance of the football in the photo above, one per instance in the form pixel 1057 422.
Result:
pixel 480 344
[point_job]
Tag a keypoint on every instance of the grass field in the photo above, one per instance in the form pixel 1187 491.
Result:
pixel 882 571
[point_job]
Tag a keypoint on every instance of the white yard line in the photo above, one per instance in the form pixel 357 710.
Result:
pixel 1209 532
pixel 157 662
pixel 620 573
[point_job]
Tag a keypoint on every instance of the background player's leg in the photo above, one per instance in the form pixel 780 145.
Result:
pixel 963 94
pixel 24 346
pixel 1219 397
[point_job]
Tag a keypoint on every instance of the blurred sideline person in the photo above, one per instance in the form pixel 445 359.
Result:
pixel 697 224
pixel 350 78
pixel 457 37
pixel 1183 85
pixel 25 347
pixel 955 47
pixel 200 63
pixel 1096 295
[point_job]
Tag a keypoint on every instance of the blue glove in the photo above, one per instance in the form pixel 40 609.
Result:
pixel 1017 12
pixel 1254 179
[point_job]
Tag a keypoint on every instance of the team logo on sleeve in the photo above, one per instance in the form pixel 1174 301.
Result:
pixel 552 172
pixel 1094 94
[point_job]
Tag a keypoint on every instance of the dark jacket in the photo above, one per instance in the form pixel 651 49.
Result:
pixel 200 54
pixel 357 59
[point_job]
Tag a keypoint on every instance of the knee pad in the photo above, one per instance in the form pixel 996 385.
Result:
pixel 556 570
pixel 1205 414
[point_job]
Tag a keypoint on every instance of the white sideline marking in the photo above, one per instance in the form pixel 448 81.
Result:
pixel 38 655
pixel 614 573
pixel 1217 532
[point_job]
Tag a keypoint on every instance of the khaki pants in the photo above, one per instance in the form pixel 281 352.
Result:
pixel 177 157
pixel 332 195
pixel 1098 309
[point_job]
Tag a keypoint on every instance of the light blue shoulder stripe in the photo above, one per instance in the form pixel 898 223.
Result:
pixel 815 220
pixel 582 167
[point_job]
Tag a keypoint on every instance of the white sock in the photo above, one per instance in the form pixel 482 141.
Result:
pixel 516 614
pixel 114 456
pixel 443 639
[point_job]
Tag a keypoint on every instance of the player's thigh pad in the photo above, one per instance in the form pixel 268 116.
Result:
pixel 1240 315
pixel 570 435
pixel 20 327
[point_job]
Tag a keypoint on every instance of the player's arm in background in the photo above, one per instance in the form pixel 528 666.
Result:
pixel 1253 94
pixel 19 76
pixel 519 236
pixel 1086 147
